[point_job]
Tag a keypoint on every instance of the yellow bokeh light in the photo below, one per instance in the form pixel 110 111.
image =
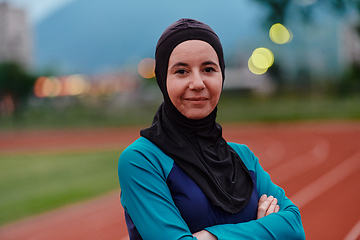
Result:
pixel 76 85
pixel 254 69
pixel 279 34
pixel 263 58
pixel 146 68
pixel 260 60
pixel 52 87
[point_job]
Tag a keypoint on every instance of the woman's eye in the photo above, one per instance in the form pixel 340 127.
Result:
pixel 209 69
pixel 180 71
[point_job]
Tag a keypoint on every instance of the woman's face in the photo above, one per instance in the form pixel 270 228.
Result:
pixel 194 79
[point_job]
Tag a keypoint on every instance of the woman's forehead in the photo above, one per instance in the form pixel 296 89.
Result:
pixel 194 43
pixel 193 49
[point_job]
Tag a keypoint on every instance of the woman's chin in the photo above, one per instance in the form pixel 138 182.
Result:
pixel 196 114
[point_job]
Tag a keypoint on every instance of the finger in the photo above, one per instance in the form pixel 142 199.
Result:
pixel 262 199
pixel 272 206
pixel 277 208
pixel 264 207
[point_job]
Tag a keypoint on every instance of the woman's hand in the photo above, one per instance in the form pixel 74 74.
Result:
pixel 266 206
pixel 204 235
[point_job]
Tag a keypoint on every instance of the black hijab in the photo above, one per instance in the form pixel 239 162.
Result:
pixel 197 146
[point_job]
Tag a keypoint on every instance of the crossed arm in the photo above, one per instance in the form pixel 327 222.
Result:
pixel 266 206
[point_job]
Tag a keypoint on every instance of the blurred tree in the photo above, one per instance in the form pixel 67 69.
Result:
pixel 279 8
pixel 277 12
pixel 350 83
pixel 280 11
pixel 15 86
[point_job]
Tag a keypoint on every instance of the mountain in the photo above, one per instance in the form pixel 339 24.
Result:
pixel 92 36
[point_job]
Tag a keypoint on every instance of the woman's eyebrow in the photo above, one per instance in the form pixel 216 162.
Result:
pixel 179 64
pixel 209 63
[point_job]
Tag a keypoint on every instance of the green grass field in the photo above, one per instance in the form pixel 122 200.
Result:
pixel 232 108
pixel 289 109
pixel 38 182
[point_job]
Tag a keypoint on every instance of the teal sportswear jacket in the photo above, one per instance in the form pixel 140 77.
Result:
pixel 163 202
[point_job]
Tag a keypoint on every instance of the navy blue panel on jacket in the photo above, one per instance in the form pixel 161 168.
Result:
pixel 197 210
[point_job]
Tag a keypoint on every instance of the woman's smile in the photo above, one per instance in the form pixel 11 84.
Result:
pixel 196 100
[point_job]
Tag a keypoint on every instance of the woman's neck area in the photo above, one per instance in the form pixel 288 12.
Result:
pixel 186 124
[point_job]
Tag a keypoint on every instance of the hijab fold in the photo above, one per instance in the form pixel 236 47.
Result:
pixel 197 146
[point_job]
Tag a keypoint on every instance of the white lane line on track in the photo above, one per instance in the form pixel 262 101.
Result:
pixel 327 181
pixel 300 164
pixel 274 153
pixel 125 238
pixel 354 233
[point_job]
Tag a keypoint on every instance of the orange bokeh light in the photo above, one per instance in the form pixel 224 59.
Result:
pixel 146 68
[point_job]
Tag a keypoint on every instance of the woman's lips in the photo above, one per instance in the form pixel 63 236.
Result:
pixel 197 100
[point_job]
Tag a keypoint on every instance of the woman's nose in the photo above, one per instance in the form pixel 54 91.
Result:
pixel 196 82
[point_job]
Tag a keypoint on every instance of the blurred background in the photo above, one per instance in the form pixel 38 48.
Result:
pixel 91 62
pixel 80 64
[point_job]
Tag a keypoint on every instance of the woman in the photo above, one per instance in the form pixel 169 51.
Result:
pixel 181 179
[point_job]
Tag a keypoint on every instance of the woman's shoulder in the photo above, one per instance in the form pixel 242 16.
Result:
pixel 143 147
pixel 240 148
pixel 145 154
pixel 141 144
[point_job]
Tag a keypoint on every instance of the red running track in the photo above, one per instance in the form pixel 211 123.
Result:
pixel 317 164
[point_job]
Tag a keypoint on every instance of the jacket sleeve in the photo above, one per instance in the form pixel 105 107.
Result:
pixel 285 224
pixel 146 197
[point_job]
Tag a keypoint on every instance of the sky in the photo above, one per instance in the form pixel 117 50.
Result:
pixel 38 9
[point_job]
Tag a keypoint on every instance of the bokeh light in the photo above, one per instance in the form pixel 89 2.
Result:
pixel 82 85
pixel 260 61
pixel 76 85
pixel 64 86
pixel 279 34
pixel 38 87
pixel 146 68
pixel 254 69
pixel 52 87
pixel 262 58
